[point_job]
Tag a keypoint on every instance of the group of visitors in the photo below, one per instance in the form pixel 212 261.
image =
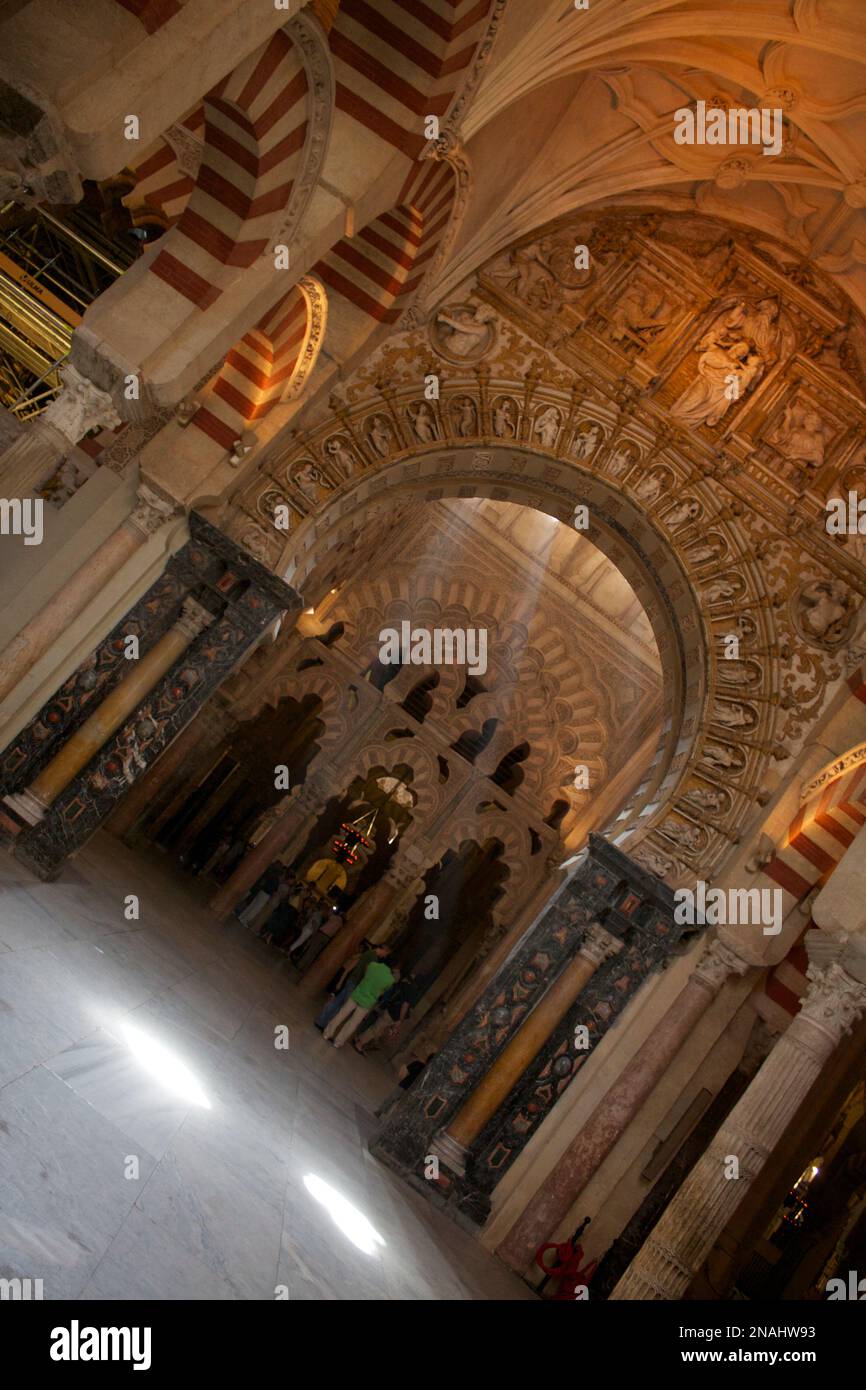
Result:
pixel 368 1000
pixel 289 912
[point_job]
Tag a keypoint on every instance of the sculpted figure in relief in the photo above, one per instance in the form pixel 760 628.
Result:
pixel 802 435
pixel 464 332
pixel 547 426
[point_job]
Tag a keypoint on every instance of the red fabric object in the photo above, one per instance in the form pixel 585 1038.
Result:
pixel 565 1268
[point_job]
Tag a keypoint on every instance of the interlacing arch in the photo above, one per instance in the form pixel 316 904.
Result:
pixel 509 693
pixel 492 825
pixel 334 714
pixel 424 785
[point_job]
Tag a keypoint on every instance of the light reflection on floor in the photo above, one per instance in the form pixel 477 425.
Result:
pixel 156 1144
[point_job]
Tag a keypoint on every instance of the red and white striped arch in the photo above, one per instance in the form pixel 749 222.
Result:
pixel 160 182
pixel 397 61
pixel 816 842
pixel 372 277
pixel 260 370
pixel 255 124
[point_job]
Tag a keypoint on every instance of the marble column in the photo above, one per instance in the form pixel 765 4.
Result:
pixel 288 832
pixel 32 803
pixel 208 723
pixel 377 903
pixel 221 794
pixel 674 1252
pixel 34 640
pixel 33 456
pixel 618 1107
pixel 605 889
pixel 453 1144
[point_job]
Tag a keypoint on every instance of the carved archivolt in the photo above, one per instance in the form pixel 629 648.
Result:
pixel 601 387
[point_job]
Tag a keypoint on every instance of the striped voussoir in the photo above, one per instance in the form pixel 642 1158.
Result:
pixel 257 372
pixel 371 277
pixel 160 182
pixel 398 61
pixel 255 124
pixel 816 841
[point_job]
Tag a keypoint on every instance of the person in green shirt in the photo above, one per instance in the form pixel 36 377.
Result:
pixel 376 979
pixel 350 975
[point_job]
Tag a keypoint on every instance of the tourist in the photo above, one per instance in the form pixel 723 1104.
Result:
pixel 350 975
pixel 314 920
pixel 396 1007
pixel 284 917
pixel 405 1077
pixel 260 894
pixel 327 931
pixel 376 979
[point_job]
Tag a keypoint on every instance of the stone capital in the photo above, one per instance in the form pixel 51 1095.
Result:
pixel 150 512
pixel 193 618
pixel 599 945
pixel 718 962
pixel 80 407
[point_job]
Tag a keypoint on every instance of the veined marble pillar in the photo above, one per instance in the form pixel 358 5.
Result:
pixel 33 641
pixel 175 678
pixel 615 1111
pixel 605 889
pixel 32 804
pixel 288 831
pixel 453 1143
pixel 34 455
pixel 679 1244
pixel 376 903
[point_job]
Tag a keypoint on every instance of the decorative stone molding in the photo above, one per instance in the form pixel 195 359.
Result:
pixel 80 407
pixel 717 964
pixel 311 42
pixel 152 510
pixel 838 768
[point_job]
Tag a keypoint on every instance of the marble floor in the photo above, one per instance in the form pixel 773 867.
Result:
pixel 156 1144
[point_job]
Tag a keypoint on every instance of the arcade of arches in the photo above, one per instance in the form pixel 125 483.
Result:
pixel 287 366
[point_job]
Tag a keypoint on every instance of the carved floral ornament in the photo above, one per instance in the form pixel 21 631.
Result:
pixel 605 388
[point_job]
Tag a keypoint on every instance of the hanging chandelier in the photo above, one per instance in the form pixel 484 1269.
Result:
pixel 355 836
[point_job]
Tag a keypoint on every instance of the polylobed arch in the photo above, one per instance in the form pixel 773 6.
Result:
pixel 334 712
pixel 425 776
pixel 515 841
pixel 679 611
